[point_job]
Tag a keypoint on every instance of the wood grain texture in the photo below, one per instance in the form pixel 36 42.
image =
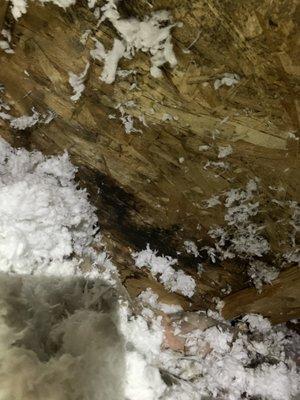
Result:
pixel 3 11
pixel 280 301
pixel 146 194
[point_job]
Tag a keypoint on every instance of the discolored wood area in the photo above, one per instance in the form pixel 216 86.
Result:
pixel 151 186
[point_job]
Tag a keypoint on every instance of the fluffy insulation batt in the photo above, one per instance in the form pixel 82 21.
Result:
pixel 59 340
pixel 67 332
pixel 59 336
pixel 44 216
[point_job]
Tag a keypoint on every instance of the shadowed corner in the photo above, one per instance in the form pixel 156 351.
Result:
pixel 59 339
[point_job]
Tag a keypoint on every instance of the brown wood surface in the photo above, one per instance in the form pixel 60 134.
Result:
pixel 146 194
pixel 279 301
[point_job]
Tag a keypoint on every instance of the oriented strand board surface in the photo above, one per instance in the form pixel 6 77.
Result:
pixel 153 185
pixel 283 296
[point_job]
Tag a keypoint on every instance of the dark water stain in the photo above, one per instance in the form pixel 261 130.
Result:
pixel 123 209
pixel 119 213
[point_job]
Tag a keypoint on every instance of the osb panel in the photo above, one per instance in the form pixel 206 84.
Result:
pixel 146 193
pixel 283 296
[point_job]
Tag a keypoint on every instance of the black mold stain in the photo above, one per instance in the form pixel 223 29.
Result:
pixel 122 206
pixel 120 215
pixel 118 212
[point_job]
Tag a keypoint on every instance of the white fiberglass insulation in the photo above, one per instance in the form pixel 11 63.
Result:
pixel 76 336
pixel 44 216
pixel 77 83
pixel 151 35
pixel 175 281
pixel 19 7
